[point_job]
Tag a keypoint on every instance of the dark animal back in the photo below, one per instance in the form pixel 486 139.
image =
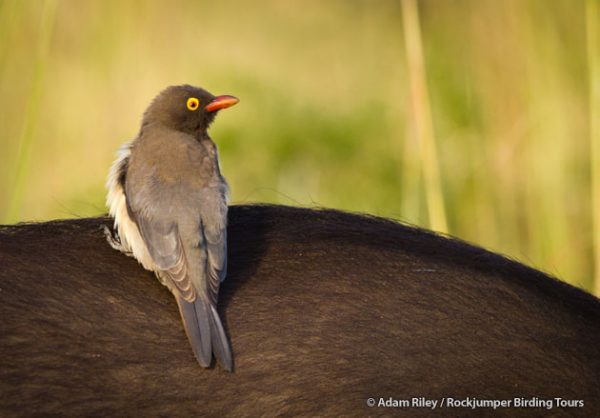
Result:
pixel 323 309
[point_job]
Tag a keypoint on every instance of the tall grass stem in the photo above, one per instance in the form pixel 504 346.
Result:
pixel 422 116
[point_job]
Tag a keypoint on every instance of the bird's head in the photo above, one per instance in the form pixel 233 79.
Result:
pixel 186 108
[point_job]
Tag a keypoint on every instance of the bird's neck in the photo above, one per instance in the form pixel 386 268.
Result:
pixel 203 136
pixel 200 135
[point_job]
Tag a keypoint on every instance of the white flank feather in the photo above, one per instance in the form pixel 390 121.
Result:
pixel 129 234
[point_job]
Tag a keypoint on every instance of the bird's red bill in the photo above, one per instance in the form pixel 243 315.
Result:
pixel 221 102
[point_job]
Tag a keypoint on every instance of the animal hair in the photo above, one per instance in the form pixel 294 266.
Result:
pixel 323 309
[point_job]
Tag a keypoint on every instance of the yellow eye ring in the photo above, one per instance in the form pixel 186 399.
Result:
pixel 193 103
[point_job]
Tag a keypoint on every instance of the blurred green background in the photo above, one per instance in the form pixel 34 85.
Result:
pixel 326 116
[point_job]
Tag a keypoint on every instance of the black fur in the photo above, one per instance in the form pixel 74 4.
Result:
pixel 324 310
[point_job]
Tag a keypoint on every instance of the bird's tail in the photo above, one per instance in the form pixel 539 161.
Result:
pixel 205 332
pixel 220 344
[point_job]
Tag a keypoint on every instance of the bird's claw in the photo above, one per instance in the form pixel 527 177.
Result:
pixel 113 239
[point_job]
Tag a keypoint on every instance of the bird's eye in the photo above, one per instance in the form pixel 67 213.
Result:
pixel 193 103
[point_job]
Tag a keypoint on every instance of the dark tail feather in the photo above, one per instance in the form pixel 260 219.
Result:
pixel 195 317
pixel 220 344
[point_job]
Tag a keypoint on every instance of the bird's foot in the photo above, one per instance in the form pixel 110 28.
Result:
pixel 114 240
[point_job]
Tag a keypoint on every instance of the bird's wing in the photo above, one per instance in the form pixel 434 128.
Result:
pixel 166 249
pixel 147 207
pixel 214 234
pixel 216 263
pixel 165 246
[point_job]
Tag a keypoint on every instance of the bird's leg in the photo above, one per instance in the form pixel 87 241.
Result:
pixel 114 240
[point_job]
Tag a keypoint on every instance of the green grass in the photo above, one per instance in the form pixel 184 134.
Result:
pixel 509 156
pixel 31 114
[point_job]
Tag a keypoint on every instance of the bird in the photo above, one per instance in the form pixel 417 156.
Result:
pixel 168 199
